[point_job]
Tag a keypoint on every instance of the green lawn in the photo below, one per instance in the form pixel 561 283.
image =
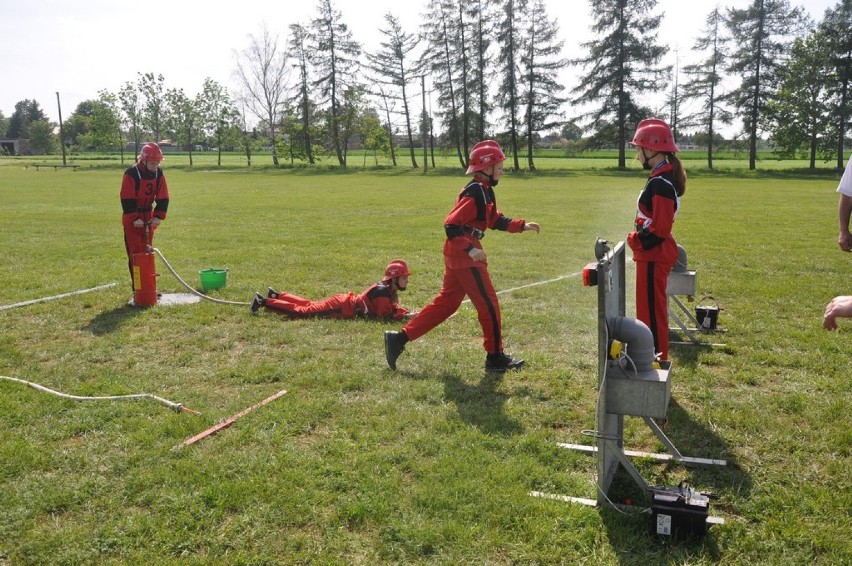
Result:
pixel 431 464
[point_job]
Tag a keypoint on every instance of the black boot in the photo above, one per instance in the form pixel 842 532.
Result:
pixel 501 362
pixel 394 345
pixel 256 303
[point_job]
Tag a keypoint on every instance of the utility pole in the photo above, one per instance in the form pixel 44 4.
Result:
pixel 61 134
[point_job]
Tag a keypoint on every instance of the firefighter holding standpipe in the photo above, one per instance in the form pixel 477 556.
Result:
pixel 144 202
pixel 654 247
pixel 465 262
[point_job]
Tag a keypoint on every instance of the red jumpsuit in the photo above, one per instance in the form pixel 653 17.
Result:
pixel 377 301
pixel 655 253
pixel 144 195
pixel 475 210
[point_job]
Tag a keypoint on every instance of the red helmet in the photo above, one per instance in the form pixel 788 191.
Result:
pixel 483 155
pixel 151 152
pixel 655 134
pixel 396 268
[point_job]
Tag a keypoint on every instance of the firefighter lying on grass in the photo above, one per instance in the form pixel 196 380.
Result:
pixel 379 300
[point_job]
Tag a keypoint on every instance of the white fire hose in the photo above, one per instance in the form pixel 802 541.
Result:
pixel 170 404
pixel 189 287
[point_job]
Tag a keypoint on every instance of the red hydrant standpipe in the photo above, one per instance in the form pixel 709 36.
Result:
pixel 144 275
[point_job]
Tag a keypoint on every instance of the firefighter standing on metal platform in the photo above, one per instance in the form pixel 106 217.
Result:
pixel 654 248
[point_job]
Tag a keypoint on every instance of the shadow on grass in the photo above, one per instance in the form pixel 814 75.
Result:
pixel 109 321
pixel 687 353
pixel 631 535
pixel 481 405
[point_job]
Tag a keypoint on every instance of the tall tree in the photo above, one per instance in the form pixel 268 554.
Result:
pixel 131 109
pixel 248 140
pixel 216 112
pixel 351 121
pixel 800 112
pixel 446 60
pixel 673 100
pixel 541 63
pixel 106 124
pixel 463 42
pixel 183 119
pixel 26 112
pixel 291 130
pixel 623 62
pixel 762 34
pixel 4 125
pixel 79 123
pixel 374 136
pixel 836 28
pixel 479 65
pixel 154 105
pixel 392 68
pixel 41 137
pixel 704 80
pixel 301 99
pixel 509 40
pixel 335 58
pixel 263 72
pixel 386 102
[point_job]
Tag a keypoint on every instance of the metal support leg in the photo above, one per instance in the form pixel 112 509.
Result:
pixel 658 432
pixel 680 323
pixel 627 464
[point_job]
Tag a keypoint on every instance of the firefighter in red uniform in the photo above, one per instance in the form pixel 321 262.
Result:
pixel 654 248
pixel 144 201
pixel 377 301
pixel 466 267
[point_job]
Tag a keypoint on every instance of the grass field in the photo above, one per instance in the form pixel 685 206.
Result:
pixel 431 464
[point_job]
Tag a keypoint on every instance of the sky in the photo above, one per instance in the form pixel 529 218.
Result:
pixel 79 48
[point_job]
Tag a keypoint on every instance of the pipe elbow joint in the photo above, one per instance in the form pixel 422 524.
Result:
pixel 638 338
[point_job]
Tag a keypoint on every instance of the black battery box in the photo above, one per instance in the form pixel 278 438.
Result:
pixel 679 511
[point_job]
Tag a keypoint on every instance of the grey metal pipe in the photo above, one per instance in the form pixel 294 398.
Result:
pixel 681 264
pixel 637 336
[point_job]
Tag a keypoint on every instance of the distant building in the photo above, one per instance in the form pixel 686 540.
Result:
pixel 17 146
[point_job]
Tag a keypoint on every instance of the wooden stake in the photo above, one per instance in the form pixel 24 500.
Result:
pixel 229 421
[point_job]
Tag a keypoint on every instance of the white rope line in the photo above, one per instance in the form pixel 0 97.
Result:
pixel 63 295
pixel 170 404
pixel 560 278
pixel 189 287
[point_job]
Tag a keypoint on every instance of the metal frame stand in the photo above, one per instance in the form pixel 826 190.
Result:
pixel 683 283
pixel 644 394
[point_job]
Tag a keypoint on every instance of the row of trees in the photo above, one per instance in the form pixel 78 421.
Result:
pixel 139 111
pixel 312 94
pixel 494 67
pixel 794 77
pixel 789 79
pixel 337 91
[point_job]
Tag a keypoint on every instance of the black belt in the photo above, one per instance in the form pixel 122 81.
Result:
pixel 362 310
pixel 475 232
